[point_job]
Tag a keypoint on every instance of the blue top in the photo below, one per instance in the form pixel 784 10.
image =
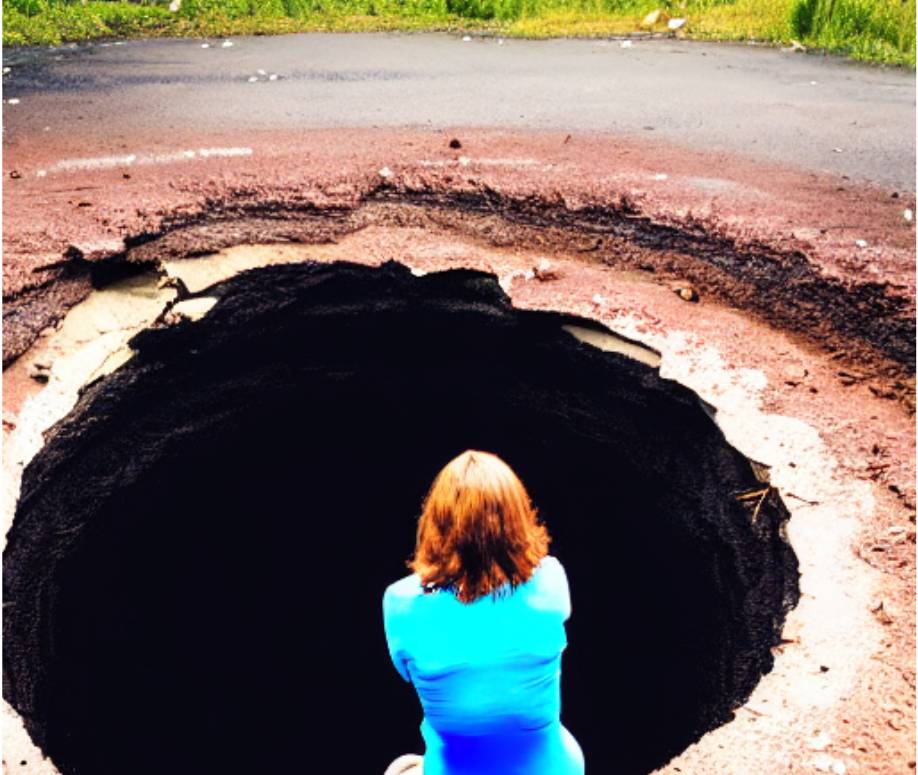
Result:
pixel 488 674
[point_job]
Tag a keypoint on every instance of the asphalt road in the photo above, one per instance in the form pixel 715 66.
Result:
pixel 802 110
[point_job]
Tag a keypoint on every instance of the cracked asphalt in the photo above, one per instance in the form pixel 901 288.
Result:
pixel 802 110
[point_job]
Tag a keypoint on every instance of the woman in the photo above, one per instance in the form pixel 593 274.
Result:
pixel 478 629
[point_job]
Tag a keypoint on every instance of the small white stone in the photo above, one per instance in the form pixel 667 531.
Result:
pixel 838 150
pixel 42 173
pixel 6 70
pixel 626 44
pixel 599 300
pixel 175 5
pixel 819 742
pixel 13 101
pixel 205 45
pixel 385 173
pixel 661 176
pixel 675 24
pixel 226 44
pixel 272 77
pixel 466 38
pixel 252 79
pixel 464 161
pixel 262 72
pixel 812 83
pixel 908 215
pixel 861 243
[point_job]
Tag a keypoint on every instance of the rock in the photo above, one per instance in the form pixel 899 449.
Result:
pixel 13 101
pixel 880 610
pixel 825 763
pixel 685 291
pixel 819 742
pixel 795 374
pixel 545 271
pixel 908 215
pixel 454 143
pixel 657 16
pixel 861 243
pixel 226 44
pixel 626 44
pixel 385 173
pixel 676 24
pixel 15 174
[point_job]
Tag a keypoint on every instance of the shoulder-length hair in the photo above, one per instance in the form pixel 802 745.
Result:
pixel 478 529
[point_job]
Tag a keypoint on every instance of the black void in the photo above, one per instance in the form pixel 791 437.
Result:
pixel 193 580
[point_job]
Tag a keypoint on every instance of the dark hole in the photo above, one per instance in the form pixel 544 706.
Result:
pixel 194 576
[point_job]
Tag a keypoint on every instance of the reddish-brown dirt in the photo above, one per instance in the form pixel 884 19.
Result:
pixel 808 278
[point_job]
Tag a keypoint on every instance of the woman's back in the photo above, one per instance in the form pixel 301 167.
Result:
pixel 487 674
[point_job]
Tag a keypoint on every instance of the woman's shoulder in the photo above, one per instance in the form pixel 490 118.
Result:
pixel 549 586
pixel 400 594
pixel 551 568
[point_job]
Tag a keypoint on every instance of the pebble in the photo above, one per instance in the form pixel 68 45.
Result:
pixel 545 271
pixel 686 292
pixel 385 173
pixel 819 742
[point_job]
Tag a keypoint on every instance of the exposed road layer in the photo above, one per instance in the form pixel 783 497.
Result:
pixel 754 235
pixel 816 113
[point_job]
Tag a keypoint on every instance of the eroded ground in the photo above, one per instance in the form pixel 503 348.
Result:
pixel 784 299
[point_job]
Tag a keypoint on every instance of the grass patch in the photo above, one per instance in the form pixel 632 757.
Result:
pixel 869 30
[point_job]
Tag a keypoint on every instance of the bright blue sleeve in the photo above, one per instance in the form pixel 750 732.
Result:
pixel 552 591
pixel 392 625
pixel 564 592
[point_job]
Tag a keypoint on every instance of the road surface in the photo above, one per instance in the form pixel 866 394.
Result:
pixel 806 111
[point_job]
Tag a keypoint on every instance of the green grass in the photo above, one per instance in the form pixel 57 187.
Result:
pixel 869 30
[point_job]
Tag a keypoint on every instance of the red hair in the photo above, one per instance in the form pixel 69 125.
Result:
pixel 478 529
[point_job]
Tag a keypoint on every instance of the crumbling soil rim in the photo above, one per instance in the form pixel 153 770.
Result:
pixel 867 323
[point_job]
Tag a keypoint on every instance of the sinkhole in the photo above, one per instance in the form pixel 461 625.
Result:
pixel 193 578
